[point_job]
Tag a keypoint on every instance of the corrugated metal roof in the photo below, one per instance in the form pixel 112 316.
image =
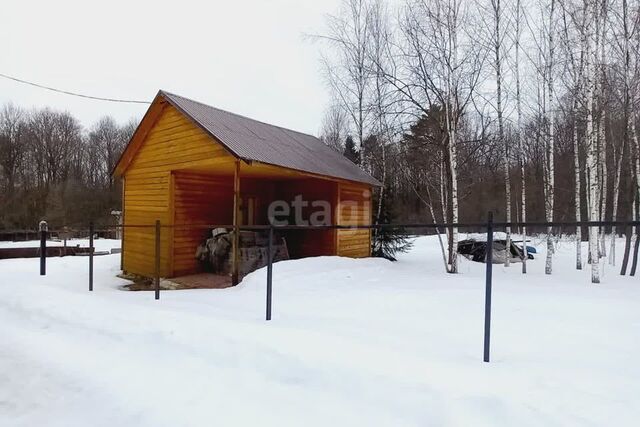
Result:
pixel 254 140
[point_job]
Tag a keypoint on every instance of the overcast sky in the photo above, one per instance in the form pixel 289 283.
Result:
pixel 249 57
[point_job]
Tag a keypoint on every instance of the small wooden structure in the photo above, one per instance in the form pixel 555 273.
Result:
pixel 189 163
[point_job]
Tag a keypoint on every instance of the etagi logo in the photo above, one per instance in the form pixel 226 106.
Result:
pixel 301 212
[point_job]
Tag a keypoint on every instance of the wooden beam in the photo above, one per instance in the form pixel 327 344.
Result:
pixel 172 221
pixel 122 206
pixel 334 216
pixel 284 171
pixel 236 228
pixel 370 207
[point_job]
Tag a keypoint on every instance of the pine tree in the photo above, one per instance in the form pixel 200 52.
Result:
pixel 389 241
pixel 350 151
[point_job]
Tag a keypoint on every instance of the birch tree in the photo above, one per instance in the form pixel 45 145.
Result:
pixel 601 135
pixel 591 52
pixel 382 95
pixel 497 47
pixel 347 70
pixel 549 164
pixel 439 65
pixel 574 21
pixel 519 133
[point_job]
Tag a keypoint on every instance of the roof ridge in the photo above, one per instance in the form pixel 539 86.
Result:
pixel 164 92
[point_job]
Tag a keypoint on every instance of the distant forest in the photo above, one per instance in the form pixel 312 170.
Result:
pixel 52 168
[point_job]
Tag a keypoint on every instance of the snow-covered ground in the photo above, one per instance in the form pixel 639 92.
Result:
pixel 352 342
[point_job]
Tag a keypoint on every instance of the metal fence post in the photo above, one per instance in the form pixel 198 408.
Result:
pixel 91 231
pixel 157 273
pixel 269 271
pixel 43 248
pixel 487 295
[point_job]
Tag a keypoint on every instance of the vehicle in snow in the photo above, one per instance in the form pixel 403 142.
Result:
pixel 474 247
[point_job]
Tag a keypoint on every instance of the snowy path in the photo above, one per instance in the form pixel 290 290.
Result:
pixel 353 342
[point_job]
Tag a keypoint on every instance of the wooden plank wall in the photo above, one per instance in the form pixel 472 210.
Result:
pixel 198 199
pixel 263 191
pixel 306 243
pixel 354 208
pixel 173 143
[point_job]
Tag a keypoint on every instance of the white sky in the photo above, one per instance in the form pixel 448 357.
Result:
pixel 249 57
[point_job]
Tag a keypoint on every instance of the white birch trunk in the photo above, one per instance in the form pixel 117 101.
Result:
pixel 602 141
pixel 505 154
pixel 614 207
pixel 549 196
pixel 523 194
pixel 453 161
pixel 576 168
pixel 443 196
pixel 592 154
pixel 451 113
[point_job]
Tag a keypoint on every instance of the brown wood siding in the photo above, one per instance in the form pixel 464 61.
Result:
pixel 172 143
pixel 354 208
pixel 306 243
pixel 198 199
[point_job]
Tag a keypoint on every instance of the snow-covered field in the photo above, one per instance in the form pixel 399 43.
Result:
pixel 100 244
pixel 352 343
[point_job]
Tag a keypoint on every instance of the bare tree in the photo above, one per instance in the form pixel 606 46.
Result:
pixel 335 128
pixel 106 135
pixel 439 64
pixel 601 126
pixel 591 55
pixel 574 22
pixel 520 136
pixel 497 40
pixel 12 151
pixel 348 71
pixel 550 114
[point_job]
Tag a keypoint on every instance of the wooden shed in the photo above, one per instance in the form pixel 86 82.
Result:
pixel 189 163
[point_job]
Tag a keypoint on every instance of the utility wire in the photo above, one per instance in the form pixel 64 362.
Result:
pixel 97 98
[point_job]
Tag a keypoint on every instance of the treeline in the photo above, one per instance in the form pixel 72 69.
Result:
pixel 523 107
pixel 52 168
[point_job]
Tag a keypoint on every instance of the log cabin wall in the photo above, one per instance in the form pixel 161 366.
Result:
pixel 172 143
pixel 354 208
pixel 262 191
pixel 197 199
pixel 306 243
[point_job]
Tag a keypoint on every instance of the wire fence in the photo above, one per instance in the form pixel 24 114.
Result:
pixel 153 239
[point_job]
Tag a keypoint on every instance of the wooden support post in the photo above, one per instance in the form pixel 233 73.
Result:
pixel 121 225
pixel 157 263
pixel 236 224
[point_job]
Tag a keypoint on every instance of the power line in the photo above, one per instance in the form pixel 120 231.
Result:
pixel 97 98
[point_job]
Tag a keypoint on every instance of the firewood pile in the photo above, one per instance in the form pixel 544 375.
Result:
pixel 216 252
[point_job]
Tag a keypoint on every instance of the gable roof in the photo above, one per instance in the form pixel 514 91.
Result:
pixel 252 140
